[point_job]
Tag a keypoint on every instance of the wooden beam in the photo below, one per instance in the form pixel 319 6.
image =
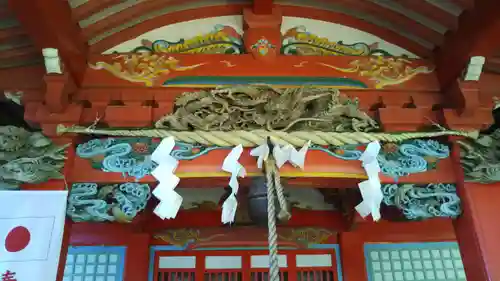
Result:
pixel 431 12
pixel 49 24
pixel 262 7
pixel 464 4
pixel 357 23
pixel 477 35
pixel 383 14
pixel 91 7
pixel 122 17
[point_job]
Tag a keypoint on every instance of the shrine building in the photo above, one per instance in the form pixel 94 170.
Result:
pixel 255 140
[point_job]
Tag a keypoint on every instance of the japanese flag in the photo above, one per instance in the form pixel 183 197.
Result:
pixel 31 231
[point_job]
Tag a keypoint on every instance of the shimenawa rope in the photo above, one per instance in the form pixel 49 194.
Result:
pixel 257 137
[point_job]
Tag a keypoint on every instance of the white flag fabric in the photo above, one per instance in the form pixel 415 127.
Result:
pixel 31 231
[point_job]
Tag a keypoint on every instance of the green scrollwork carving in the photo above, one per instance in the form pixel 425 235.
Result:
pixel 115 203
pixel 28 157
pixel 422 202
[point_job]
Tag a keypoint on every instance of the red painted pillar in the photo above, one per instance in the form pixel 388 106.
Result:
pixel 352 256
pixel 478 228
pixel 137 258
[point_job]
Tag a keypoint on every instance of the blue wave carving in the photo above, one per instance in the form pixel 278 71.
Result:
pixel 407 158
pixel 421 202
pixel 410 157
pixel 118 156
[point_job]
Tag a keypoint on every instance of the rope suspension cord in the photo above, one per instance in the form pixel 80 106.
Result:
pixel 257 137
pixel 274 185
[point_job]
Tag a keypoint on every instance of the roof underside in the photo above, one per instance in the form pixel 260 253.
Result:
pixel 422 22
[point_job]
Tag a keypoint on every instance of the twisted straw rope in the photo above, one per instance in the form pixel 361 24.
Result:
pixel 258 137
pixel 274 185
pixel 272 237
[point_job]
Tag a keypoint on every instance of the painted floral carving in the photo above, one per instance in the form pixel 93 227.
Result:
pixel 222 40
pixel 28 157
pixel 143 67
pixel 297 41
pixel 384 71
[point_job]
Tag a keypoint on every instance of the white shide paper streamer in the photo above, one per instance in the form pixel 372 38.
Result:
pixel 282 154
pixel 370 189
pixel 170 201
pixel 231 165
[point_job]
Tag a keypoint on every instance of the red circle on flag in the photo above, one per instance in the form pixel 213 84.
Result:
pixel 17 239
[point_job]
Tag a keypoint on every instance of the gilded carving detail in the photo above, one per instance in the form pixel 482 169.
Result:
pixel 297 41
pixel 384 71
pixel 143 67
pixel 28 157
pixel 306 236
pixel 222 40
pixel 183 236
pixel 189 236
pixel 264 107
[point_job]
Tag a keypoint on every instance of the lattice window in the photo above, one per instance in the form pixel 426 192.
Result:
pixel 295 265
pixel 414 262
pixel 94 263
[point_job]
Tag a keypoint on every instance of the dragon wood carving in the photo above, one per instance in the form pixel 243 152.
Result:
pixel 28 157
pixel 264 107
pixel 481 158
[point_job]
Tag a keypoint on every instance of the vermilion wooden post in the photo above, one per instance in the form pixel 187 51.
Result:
pixel 352 256
pixel 477 229
pixel 137 258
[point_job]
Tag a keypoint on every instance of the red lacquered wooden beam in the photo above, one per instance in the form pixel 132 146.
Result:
pixel 431 12
pixel 385 14
pixel 203 219
pixel 343 19
pixel 21 78
pixel 317 165
pixel 465 4
pixel 282 66
pixel 91 7
pixel 480 26
pixel 156 22
pixel 49 24
pixel 8 33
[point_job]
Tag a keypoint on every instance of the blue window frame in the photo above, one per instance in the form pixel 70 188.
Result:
pixel 95 263
pixel 433 261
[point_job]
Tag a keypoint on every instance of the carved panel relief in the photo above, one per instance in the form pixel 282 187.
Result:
pixel 28 157
pixel 481 158
pixel 113 203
